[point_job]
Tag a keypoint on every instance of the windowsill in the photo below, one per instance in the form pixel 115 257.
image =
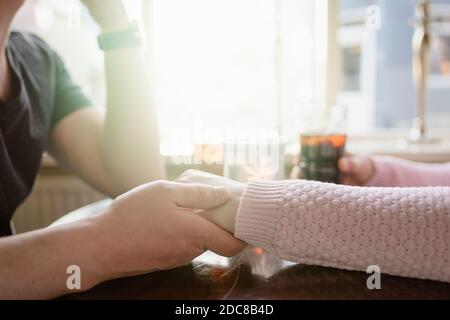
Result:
pixel 392 143
pixel 395 143
pixel 50 167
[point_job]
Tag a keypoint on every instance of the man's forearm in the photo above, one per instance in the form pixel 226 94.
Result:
pixel 34 265
pixel 130 140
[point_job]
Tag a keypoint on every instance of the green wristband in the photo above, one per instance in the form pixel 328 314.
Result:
pixel 128 38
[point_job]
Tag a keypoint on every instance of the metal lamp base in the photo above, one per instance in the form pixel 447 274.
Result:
pixel 418 134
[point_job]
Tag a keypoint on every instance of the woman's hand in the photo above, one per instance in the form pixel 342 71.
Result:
pixel 154 227
pixel 225 215
pixel 356 170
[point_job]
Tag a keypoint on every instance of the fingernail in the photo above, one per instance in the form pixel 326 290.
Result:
pixel 221 193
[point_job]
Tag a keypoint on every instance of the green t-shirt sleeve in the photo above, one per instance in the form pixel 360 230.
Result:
pixel 69 97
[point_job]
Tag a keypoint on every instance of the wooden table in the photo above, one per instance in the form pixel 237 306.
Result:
pixel 256 275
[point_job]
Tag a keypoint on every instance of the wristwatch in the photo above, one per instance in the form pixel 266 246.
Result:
pixel 127 38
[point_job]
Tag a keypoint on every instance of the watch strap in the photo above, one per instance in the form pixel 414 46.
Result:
pixel 127 38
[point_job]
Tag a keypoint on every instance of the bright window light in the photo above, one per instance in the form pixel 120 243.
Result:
pixel 231 64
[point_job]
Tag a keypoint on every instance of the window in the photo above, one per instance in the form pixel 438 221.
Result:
pixel 351 68
pixel 215 64
pixel 376 65
pixel 68 28
pixel 232 64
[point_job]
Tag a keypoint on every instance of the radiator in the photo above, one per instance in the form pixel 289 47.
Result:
pixel 52 198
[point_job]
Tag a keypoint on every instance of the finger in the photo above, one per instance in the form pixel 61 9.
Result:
pixel 220 241
pixel 198 196
pixel 349 181
pixel 345 164
pixel 223 216
pixel 187 175
pixel 356 166
pixel 183 176
pixel 195 175
pixel 183 180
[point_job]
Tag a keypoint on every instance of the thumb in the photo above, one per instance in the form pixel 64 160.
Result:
pixel 198 196
pixel 360 168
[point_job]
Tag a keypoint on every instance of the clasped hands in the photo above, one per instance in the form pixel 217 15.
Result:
pixel 356 171
pixel 162 225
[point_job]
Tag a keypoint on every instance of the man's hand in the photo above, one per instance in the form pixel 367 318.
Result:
pixel 154 227
pixel 225 215
pixel 110 16
pixel 356 170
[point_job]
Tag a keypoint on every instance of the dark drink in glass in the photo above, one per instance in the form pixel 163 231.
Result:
pixel 320 155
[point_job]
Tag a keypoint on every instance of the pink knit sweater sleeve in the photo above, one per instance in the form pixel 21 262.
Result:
pixel 404 231
pixel 394 172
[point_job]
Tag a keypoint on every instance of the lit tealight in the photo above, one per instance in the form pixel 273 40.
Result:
pixel 258 251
